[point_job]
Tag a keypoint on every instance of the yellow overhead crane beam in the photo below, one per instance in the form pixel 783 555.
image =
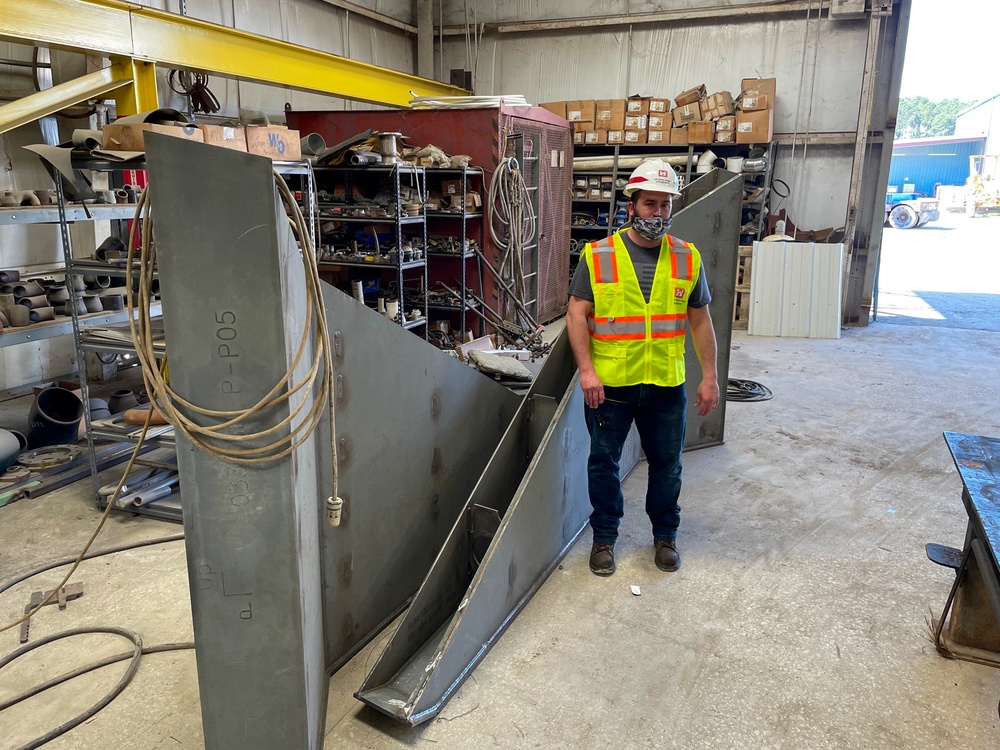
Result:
pixel 137 39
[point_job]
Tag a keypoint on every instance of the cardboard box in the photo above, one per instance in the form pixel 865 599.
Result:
pixel 595 137
pixel 691 96
pixel 472 201
pixel 637 105
pixel 755 103
pixel 636 122
pixel 579 137
pixel 610 114
pixel 275 141
pixel 759 87
pixel 594 194
pixel 451 187
pixel 686 113
pixel 679 136
pixel 594 181
pixel 556 108
pixel 659 106
pixel 717 105
pixel 658 136
pixel 725 136
pixel 616 137
pixel 635 136
pixel 659 122
pixel 754 127
pixel 580 126
pixel 581 109
pixel 227 136
pixel 701 131
pixel 129 136
pixel 725 123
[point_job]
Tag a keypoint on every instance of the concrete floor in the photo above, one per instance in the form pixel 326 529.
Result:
pixel 798 620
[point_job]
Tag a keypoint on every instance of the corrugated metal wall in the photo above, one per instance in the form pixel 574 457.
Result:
pixel 982 120
pixel 795 290
pixel 818 64
pixel 928 163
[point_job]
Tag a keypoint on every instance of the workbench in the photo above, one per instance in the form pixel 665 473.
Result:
pixel 972 632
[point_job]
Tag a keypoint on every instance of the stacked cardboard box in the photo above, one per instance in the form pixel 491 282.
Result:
pixel 755 120
pixel 697 117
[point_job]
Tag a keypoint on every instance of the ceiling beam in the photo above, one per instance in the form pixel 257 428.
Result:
pixel 756 11
pixel 112 27
pixel 51 100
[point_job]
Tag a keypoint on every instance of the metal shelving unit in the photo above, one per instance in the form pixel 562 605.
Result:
pixel 391 173
pixel 588 232
pixel 462 218
pixel 82 327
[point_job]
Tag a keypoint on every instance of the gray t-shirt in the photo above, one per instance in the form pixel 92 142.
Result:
pixel 644 259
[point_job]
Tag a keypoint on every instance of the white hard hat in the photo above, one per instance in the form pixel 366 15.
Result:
pixel 654 175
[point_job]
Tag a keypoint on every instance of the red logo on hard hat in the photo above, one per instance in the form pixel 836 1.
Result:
pixel 663 172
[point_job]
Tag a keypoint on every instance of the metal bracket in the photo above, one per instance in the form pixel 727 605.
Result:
pixel 66 593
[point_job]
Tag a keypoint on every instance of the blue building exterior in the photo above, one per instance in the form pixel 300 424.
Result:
pixel 926 162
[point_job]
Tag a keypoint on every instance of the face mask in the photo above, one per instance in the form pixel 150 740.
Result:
pixel 654 228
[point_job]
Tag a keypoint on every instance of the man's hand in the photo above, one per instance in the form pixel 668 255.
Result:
pixel 708 397
pixel 593 389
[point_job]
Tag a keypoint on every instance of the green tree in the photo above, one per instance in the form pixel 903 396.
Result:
pixel 919 117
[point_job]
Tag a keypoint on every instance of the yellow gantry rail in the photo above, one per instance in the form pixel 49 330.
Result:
pixel 138 38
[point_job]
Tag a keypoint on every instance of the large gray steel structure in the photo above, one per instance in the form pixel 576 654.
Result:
pixel 280 599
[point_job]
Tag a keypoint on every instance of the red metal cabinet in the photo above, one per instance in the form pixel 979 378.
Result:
pixel 483 134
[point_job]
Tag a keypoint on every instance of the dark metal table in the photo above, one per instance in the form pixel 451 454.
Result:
pixel 973 630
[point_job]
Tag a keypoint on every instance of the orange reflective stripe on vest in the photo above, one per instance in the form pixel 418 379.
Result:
pixel 633 341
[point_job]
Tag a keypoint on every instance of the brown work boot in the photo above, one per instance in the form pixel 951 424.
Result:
pixel 667 557
pixel 602 559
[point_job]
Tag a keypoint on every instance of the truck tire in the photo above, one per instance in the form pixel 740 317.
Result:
pixel 903 217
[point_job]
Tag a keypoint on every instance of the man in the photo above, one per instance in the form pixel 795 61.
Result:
pixel 632 298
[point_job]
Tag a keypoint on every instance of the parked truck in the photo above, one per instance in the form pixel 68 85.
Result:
pixel 908 210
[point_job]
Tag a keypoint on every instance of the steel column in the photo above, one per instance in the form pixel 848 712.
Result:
pixel 141 95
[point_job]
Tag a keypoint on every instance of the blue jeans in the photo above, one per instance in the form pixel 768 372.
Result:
pixel 659 413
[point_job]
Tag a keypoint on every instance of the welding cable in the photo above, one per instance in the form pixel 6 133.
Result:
pixel 215 439
pixel 100 525
pixel 513 224
pixel 135 655
pixel 747 390
pixel 88 556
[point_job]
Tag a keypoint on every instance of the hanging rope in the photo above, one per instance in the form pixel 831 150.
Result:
pixel 219 438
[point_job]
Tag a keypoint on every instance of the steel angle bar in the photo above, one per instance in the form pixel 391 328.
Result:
pixel 527 510
pixel 710 219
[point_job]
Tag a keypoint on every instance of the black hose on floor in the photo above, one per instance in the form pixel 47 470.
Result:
pixel 122 683
pixel 89 556
pixel 747 390
pixel 135 655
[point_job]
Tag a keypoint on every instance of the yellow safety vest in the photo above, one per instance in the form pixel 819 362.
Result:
pixel 632 342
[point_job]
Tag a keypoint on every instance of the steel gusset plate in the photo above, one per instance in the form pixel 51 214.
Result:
pixel 523 516
pixel 710 219
pixel 415 429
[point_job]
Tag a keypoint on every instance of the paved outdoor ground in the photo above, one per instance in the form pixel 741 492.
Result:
pixel 946 273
